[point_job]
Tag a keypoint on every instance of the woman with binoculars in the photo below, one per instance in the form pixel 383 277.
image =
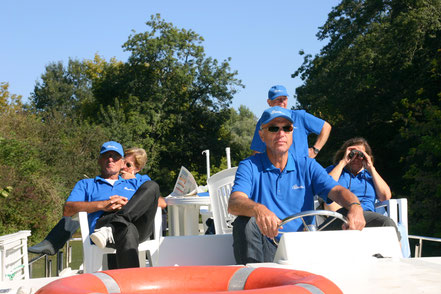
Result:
pixel 354 169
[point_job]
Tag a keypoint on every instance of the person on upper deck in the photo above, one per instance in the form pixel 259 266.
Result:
pixel 275 184
pixel 303 122
pixel 354 169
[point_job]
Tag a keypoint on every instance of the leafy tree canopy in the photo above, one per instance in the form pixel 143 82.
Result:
pixel 378 77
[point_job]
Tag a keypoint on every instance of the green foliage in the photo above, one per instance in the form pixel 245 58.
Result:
pixel 40 161
pixel 381 54
pixel 66 90
pixel 423 163
pixel 8 102
pixel 422 126
pixel 32 204
pixel 168 98
pixel 240 130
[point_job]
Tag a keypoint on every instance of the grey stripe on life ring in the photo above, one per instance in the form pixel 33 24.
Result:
pixel 238 280
pixel 311 288
pixel 111 285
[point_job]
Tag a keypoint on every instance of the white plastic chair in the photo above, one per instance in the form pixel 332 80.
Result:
pixel 219 188
pixel 93 255
pixel 396 209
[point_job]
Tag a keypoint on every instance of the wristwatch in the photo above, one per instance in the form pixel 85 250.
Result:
pixel 316 150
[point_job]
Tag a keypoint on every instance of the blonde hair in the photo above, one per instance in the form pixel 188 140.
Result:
pixel 140 156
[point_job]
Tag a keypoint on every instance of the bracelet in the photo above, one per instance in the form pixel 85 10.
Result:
pixel 354 203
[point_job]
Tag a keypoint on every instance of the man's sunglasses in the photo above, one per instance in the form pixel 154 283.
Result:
pixel 275 129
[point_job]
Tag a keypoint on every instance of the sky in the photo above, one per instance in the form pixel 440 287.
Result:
pixel 263 38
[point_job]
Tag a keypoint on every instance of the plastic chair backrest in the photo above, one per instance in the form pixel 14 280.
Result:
pixel 219 188
pixel 396 209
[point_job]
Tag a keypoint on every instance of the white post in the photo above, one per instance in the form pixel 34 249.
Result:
pixel 228 157
pixel 207 154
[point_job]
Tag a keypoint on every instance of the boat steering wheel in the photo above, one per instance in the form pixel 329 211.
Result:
pixel 313 227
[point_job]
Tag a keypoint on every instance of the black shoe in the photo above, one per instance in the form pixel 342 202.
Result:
pixel 44 247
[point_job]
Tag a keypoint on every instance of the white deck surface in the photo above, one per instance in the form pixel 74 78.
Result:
pixel 25 286
pixel 383 275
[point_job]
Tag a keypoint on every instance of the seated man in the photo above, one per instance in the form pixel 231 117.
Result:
pixel 134 161
pixel 275 184
pixel 118 216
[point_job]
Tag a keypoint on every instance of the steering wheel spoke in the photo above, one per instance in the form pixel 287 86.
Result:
pixel 302 215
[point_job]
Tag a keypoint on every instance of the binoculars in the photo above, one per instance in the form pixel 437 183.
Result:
pixel 356 153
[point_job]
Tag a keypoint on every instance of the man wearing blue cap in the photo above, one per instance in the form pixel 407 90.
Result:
pixel 120 214
pixel 275 184
pixel 303 123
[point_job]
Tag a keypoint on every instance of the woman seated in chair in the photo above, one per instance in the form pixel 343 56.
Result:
pixel 134 161
pixel 354 169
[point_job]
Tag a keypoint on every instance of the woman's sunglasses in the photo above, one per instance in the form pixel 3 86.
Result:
pixel 128 164
pixel 275 129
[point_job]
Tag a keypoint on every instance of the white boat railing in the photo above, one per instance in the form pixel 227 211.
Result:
pixel 419 245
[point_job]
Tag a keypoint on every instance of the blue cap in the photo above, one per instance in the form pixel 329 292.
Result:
pixel 275 112
pixel 112 146
pixel 277 91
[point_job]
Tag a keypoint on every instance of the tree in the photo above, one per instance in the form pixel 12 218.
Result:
pixel 379 57
pixel 9 102
pixel 169 96
pixel 65 90
pixel 40 162
pixel 240 130
pixel 422 126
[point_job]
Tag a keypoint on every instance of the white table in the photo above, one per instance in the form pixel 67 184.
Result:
pixel 183 214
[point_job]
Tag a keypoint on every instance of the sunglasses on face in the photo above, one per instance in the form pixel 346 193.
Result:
pixel 115 156
pixel 129 165
pixel 275 129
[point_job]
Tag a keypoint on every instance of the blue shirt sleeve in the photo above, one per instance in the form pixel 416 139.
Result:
pixel 78 192
pixel 243 181
pixel 257 144
pixel 142 179
pixel 330 168
pixel 313 124
pixel 322 182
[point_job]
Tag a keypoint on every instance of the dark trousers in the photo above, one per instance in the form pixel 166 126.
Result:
pixel 62 232
pixel 373 219
pixel 132 224
pixel 249 245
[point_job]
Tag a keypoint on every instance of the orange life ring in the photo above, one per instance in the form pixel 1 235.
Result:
pixel 193 279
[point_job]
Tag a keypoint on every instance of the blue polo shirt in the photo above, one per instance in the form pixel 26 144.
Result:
pixel 284 193
pixel 304 124
pixel 98 189
pixel 362 185
pixel 142 178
